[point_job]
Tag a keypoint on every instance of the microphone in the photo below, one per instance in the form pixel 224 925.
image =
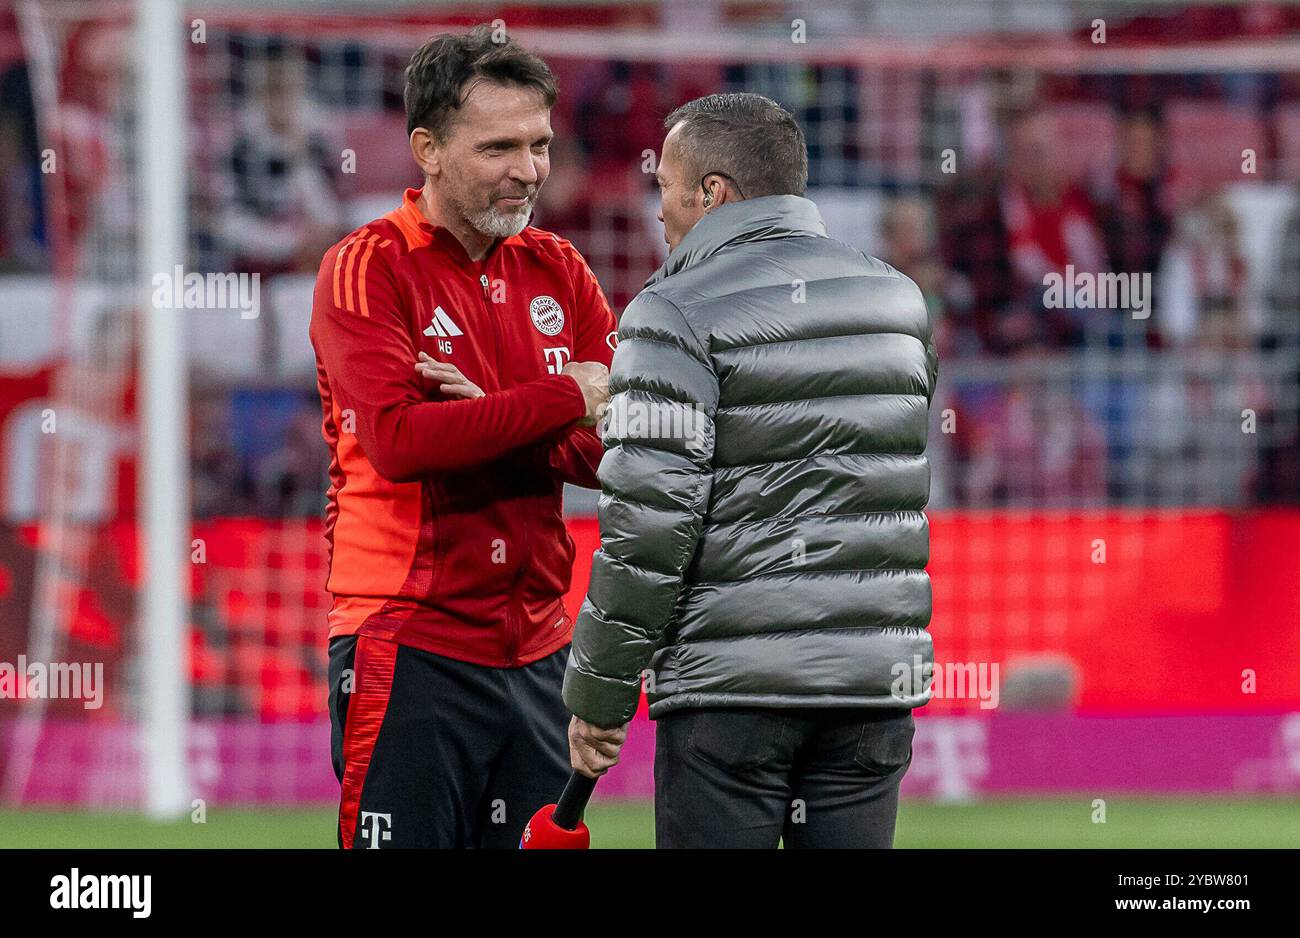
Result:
pixel 559 826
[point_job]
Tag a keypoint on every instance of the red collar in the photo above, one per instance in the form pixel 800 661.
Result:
pixel 419 231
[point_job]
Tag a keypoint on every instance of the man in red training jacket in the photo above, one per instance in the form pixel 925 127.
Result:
pixel 462 362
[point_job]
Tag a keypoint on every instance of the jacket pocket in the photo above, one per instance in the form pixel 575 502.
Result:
pixel 885 744
pixel 735 740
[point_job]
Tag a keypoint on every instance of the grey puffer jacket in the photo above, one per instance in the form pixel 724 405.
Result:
pixel 763 538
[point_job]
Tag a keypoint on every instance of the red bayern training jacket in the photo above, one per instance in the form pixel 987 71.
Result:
pixel 444 516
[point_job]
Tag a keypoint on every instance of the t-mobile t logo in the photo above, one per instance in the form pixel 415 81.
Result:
pixel 377 827
pixel 556 358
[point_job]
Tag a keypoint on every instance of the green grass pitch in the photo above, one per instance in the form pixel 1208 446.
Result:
pixel 1060 822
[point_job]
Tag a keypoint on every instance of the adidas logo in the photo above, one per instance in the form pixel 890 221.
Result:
pixel 442 325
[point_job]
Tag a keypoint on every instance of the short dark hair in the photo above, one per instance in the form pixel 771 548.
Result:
pixel 750 138
pixel 441 69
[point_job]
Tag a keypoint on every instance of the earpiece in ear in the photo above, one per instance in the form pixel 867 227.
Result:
pixel 708 199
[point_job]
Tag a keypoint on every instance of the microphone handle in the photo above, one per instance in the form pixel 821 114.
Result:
pixel 568 812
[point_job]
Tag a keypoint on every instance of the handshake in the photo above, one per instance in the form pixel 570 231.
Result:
pixel 592 379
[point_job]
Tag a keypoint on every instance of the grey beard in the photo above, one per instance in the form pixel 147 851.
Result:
pixel 496 224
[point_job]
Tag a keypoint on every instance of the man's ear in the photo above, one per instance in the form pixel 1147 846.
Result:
pixel 715 193
pixel 427 151
pixel 718 192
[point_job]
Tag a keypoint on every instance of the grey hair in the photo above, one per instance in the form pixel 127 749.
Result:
pixel 748 137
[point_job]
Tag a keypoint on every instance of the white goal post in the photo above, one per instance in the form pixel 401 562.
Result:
pixel 164 501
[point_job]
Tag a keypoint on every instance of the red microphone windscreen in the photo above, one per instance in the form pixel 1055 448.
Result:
pixel 542 833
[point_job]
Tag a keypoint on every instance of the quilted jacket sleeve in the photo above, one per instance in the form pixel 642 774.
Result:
pixel 655 479
pixel 931 359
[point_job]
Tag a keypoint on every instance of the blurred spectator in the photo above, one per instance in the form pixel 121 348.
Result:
pixel 1203 281
pixel 91 208
pixel 907 230
pixel 1050 224
pixel 22 225
pixel 283 212
pixel 973 245
pixel 1135 217
pixel 905 227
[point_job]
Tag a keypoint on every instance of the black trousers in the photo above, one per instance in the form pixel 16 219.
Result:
pixel 751 777
pixel 434 752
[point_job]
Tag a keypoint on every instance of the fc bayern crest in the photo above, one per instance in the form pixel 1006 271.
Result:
pixel 547 315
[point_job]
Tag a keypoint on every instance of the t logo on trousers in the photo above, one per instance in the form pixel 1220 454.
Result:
pixel 379 830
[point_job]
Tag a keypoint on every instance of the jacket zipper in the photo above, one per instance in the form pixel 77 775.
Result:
pixel 496 327
pixel 514 627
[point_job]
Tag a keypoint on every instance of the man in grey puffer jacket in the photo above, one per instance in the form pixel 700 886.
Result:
pixel 763 536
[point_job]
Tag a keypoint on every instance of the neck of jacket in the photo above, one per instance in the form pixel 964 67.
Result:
pixel 761 219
